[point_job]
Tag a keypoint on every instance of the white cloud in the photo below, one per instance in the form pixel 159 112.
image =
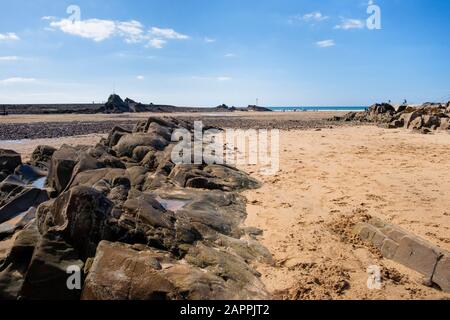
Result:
pixel 140 78
pixel 10 36
pixel 348 24
pixel 221 78
pixel 209 40
pixel 156 43
pixel 167 34
pixel 16 80
pixel 230 55
pixel 325 43
pixel 314 16
pixel 131 31
pixel 48 18
pixel 95 29
pixel 9 58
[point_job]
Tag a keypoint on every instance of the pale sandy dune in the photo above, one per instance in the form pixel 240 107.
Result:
pixel 395 175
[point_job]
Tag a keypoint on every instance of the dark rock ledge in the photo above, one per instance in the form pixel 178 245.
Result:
pixel 137 225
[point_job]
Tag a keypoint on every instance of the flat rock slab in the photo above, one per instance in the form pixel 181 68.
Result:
pixel 407 249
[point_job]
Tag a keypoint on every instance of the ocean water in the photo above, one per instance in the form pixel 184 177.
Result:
pixel 330 108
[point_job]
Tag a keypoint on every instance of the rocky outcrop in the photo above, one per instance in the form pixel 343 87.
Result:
pixel 115 104
pixel 426 118
pixel 138 225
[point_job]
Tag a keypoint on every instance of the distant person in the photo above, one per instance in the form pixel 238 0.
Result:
pixel 405 102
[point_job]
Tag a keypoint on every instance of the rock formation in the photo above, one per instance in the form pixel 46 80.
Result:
pixel 429 116
pixel 135 224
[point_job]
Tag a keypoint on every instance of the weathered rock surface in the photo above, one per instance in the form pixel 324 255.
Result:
pixel 9 161
pixel 125 272
pixel 41 156
pixel 142 226
pixel 407 249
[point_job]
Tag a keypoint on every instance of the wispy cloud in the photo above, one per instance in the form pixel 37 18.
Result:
pixel 9 58
pixel 347 24
pixel 311 17
pixel 17 80
pixel 325 43
pixel 10 36
pixel 167 34
pixel 209 40
pixel 131 31
pixel 140 78
pixel 220 78
pixel 314 16
pixel 156 43
pixel 230 55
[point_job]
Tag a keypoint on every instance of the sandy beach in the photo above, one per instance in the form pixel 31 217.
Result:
pixel 326 176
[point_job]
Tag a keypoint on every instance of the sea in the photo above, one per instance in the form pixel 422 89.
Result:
pixel 330 108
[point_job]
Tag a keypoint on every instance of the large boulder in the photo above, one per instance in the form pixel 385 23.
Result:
pixel 124 272
pixel 61 167
pixel 14 267
pixel 48 272
pixel 80 216
pixel 128 143
pixel 22 202
pixel 9 161
pixel 41 156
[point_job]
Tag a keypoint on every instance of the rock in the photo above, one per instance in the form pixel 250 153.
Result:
pixel 15 266
pixel 431 121
pixel 123 272
pixel 119 272
pixel 9 161
pixel 80 216
pixel 61 167
pixel 29 174
pixel 232 268
pixel 9 227
pixel 213 177
pixel 137 176
pixel 47 274
pixel 115 135
pixel 144 220
pixel 115 104
pixel 140 152
pixel 441 274
pixel 389 248
pixel 417 255
pixel 413 119
pixel 128 143
pixel 29 197
pixel 445 124
pixel 41 156
pixel 176 229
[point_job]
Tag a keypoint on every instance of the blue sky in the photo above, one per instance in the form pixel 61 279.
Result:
pixel 208 52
